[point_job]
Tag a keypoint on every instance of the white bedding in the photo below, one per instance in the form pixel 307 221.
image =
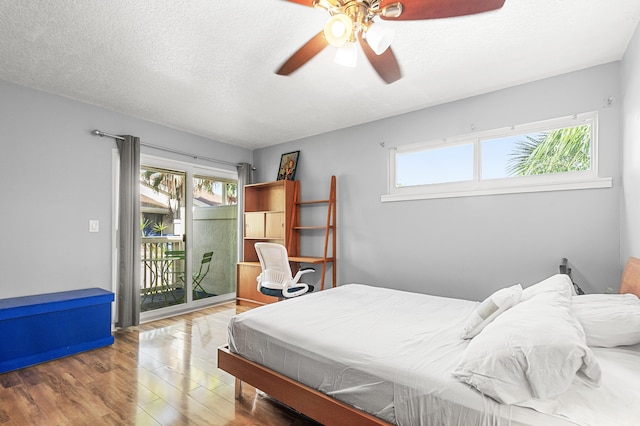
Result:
pixel 534 350
pixel 391 353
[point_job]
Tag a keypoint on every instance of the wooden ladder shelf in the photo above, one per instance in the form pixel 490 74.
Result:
pixel 329 250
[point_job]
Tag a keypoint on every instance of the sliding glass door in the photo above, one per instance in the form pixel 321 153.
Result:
pixel 215 235
pixel 163 240
pixel 189 236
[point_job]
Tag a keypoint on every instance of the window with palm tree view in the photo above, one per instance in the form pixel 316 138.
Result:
pixel 499 161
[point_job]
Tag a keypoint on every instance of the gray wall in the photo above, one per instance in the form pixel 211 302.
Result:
pixel 468 247
pixel 56 176
pixel 630 206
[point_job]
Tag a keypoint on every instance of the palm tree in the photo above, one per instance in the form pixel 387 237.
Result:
pixel 556 151
pixel 167 183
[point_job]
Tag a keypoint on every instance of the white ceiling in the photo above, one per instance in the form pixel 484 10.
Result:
pixel 207 66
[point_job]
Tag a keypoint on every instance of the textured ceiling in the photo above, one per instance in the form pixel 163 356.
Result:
pixel 207 67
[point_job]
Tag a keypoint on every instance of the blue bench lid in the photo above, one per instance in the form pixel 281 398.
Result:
pixel 42 303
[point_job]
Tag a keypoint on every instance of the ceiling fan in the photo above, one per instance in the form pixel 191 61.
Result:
pixel 353 20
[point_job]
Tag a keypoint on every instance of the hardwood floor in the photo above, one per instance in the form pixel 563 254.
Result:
pixel 159 373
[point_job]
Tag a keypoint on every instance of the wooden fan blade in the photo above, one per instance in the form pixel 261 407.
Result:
pixel 303 2
pixel 385 64
pixel 435 9
pixel 304 54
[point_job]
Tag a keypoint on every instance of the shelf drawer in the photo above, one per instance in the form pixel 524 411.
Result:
pixel 246 290
pixel 274 225
pixel 264 225
pixel 254 225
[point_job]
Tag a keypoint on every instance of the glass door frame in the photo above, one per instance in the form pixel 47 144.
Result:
pixel 190 171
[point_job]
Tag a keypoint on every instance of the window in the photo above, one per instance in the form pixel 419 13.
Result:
pixel 432 166
pixel 214 192
pixel 544 156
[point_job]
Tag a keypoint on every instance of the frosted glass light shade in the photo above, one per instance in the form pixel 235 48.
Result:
pixel 379 37
pixel 392 10
pixel 338 29
pixel 325 4
pixel 347 55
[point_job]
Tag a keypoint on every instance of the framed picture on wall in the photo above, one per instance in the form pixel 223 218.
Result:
pixel 288 165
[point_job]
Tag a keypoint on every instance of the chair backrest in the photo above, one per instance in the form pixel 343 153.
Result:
pixel 274 261
pixel 206 260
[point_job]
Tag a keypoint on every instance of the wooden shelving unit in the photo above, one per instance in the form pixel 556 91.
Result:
pixel 329 249
pixel 267 218
pixel 272 213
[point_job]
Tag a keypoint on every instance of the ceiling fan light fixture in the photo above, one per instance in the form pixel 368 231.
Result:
pixel 350 20
pixel 392 11
pixel 338 29
pixel 379 37
pixel 347 55
pixel 325 4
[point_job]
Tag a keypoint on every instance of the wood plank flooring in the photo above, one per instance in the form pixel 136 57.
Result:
pixel 159 373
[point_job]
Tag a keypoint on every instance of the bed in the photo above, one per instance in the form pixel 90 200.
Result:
pixel 358 354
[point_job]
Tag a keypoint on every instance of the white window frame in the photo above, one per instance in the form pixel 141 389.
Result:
pixel 587 179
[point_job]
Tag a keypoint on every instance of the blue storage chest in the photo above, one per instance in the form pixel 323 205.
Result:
pixel 39 328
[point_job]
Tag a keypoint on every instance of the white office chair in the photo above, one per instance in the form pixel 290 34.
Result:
pixel 275 279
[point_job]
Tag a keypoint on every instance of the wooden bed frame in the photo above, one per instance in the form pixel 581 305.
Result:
pixel 323 408
pixel 308 401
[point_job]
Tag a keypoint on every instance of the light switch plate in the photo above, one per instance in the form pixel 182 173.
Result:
pixel 94 225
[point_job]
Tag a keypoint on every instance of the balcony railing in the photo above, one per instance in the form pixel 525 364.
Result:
pixel 162 263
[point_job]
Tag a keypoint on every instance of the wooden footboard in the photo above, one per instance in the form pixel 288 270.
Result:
pixel 302 398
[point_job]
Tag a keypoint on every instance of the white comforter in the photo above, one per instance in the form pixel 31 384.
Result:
pixel 392 354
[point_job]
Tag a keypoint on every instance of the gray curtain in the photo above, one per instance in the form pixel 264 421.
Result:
pixel 245 177
pixel 128 235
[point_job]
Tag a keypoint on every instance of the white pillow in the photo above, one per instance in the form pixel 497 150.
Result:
pixel 533 350
pixel 608 320
pixel 557 282
pixel 490 308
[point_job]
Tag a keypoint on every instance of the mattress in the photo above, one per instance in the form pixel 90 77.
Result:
pixel 391 353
